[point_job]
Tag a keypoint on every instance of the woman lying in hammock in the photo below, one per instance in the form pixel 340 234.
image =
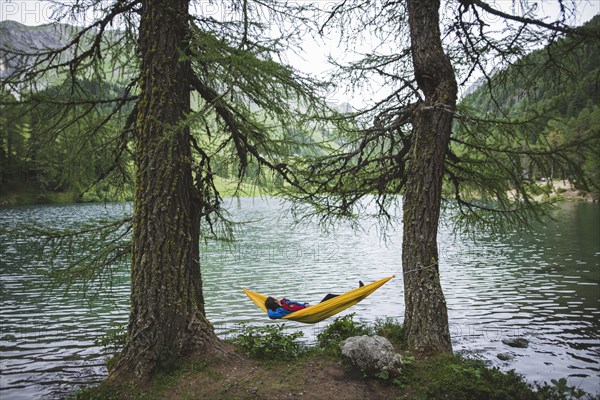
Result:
pixel 280 308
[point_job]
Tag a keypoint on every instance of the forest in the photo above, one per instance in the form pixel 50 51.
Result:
pixel 563 100
pixel 37 167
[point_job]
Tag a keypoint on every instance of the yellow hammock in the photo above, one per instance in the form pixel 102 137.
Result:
pixel 326 309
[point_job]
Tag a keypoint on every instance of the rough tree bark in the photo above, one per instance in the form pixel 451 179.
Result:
pixel 167 318
pixel 426 319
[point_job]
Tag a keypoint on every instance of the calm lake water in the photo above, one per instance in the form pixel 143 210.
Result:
pixel 542 286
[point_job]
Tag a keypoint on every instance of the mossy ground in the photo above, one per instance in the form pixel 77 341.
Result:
pixel 322 375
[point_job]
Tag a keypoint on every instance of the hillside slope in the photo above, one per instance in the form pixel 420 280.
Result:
pixel 558 89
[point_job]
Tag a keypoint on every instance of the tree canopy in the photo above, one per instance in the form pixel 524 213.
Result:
pixel 413 147
pixel 559 98
pixel 494 136
pixel 166 96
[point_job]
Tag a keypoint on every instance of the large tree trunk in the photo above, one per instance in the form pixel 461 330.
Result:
pixel 426 319
pixel 167 318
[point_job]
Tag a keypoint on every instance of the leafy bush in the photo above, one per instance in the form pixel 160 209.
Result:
pixel 389 328
pixel 560 390
pixel 340 329
pixel 269 342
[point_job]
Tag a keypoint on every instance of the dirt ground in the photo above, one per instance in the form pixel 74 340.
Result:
pixel 568 191
pixel 316 378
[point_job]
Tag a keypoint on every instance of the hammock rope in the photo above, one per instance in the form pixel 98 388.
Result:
pixel 326 309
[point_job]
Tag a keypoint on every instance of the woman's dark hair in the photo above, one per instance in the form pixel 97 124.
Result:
pixel 271 304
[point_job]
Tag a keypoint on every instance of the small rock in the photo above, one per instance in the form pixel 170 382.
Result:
pixel 505 356
pixel 521 343
pixel 253 390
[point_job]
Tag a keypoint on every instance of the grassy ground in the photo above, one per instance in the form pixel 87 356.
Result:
pixel 324 376
pixel 269 364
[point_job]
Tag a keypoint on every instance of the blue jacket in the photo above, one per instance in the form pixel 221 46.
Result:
pixel 279 313
pixel 289 307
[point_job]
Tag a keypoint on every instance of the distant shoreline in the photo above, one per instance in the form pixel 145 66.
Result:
pixel 563 191
pixel 29 196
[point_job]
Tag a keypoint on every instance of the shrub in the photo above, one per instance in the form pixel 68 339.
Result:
pixel 560 390
pixel 389 328
pixel 456 378
pixel 269 342
pixel 340 329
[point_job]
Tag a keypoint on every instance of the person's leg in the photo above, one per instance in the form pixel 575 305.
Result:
pixel 329 296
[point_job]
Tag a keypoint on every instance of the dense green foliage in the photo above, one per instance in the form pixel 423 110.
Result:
pixel 72 134
pixel 344 327
pixel 456 377
pixel 389 328
pixel 48 145
pixel 61 140
pixel 270 341
pixel 340 329
pixel 553 95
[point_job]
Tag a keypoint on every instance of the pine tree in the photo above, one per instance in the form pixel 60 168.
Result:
pixel 198 90
pixel 413 148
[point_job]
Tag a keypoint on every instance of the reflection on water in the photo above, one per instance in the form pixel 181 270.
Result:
pixel 542 286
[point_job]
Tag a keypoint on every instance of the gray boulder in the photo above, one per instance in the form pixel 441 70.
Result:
pixel 372 354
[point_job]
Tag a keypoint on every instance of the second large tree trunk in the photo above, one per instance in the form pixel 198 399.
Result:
pixel 167 318
pixel 426 318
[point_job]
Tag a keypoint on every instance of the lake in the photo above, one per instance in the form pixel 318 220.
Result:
pixel 542 286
